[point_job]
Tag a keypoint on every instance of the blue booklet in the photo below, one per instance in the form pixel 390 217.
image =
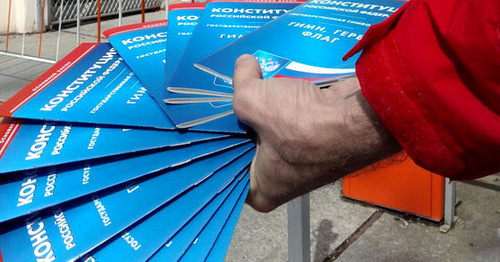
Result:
pixel 32 144
pixel 28 192
pixel 311 42
pixel 221 23
pixel 221 245
pixel 90 85
pixel 69 232
pixel 175 248
pixel 153 231
pixel 225 216
pixel 183 20
pixel 143 47
pixel 93 85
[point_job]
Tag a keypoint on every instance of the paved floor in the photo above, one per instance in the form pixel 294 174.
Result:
pixel 15 73
pixel 390 236
pixel 385 235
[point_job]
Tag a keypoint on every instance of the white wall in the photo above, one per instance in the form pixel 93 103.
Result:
pixel 22 18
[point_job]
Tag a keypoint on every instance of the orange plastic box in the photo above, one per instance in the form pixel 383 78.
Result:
pixel 401 186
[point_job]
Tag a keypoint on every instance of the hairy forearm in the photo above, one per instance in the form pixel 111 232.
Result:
pixel 333 133
pixel 306 137
pixel 364 140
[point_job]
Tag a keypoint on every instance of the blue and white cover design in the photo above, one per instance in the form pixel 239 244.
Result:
pixel 91 167
pixel 176 246
pixel 312 38
pixel 154 231
pixel 143 47
pixel 270 64
pixel 68 232
pixel 90 85
pixel 26 192
pixel 183 20
pixel 33 144
pixel 221 23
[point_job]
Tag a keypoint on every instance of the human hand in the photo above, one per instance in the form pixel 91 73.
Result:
pixel 306 136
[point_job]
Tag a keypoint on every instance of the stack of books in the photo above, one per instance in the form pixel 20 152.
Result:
pixel 129 150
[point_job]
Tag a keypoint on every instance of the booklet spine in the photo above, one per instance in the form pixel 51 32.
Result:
pixel 8 130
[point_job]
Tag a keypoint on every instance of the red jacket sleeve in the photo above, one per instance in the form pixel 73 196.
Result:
pixel 431 72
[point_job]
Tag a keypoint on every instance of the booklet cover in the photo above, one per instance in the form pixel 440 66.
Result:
pixel 69 232
pixel 221 245
pixel 180 242
pixel 206 239
pixel 31 191
pixel 135 42
pixel 313 39
pixel 90 85
pixel 183 20
pixel 221 23
pixel 31 144
pixel 143 47
pixel 153 231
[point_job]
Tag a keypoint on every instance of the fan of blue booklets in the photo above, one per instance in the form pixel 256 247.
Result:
pixel 130 151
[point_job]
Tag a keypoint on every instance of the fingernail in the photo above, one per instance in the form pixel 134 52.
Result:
pixel 241 59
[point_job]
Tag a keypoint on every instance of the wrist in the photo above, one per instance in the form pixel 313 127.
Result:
pixel 363 137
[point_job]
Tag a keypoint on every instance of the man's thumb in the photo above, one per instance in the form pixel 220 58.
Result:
pixel 247 72
pixel 246 82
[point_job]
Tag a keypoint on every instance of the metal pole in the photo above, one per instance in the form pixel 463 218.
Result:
pixel 120 10
pixel 59 30
pixel 166 9
pixel 143 7
pixel 8 27
pixel 299 230
pixel 34 58
pixel 77 22
pixel 98 21
pixel 449 202
pixel 42 25
pixel 25 22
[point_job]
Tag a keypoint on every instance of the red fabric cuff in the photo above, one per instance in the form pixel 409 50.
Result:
pixel 382 77
pixel 413 81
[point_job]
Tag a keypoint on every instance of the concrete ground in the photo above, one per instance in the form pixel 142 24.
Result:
pixel 341 229
pixel 390 236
